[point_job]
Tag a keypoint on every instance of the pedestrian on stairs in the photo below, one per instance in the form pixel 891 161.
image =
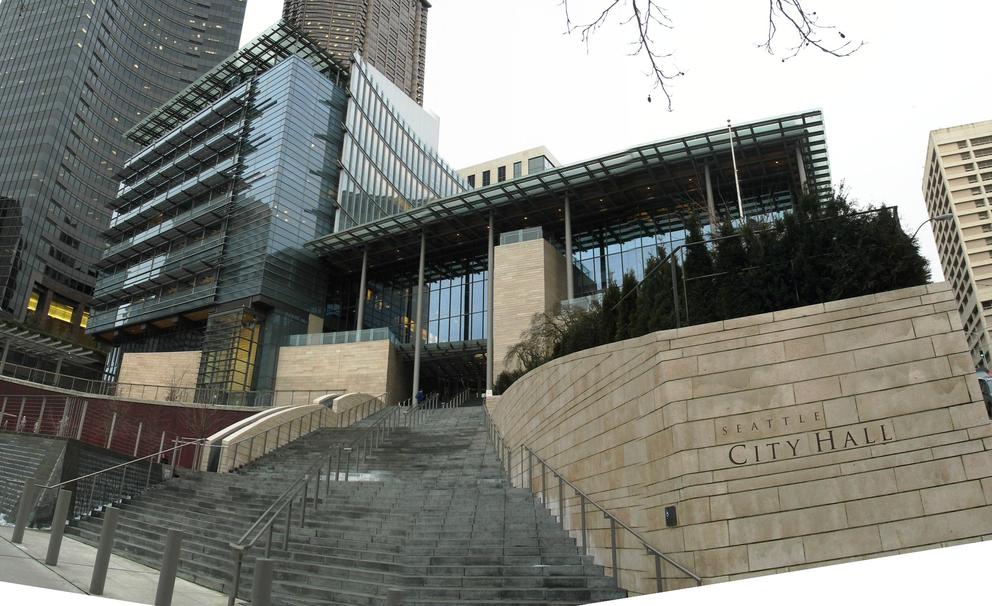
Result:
pixel 420 397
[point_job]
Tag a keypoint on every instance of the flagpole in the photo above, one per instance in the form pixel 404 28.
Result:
pixel 737 181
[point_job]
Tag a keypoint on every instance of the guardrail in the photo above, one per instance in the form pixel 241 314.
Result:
pixel 103 488
pixel 344 419
pixel 166 393
pixel 585 501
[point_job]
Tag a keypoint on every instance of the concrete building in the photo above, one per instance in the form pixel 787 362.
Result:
pixel 957 180
pixel 521 164
pixel 390 34
pixel 73 78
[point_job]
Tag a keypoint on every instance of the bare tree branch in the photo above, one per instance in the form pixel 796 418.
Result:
pixel 791 14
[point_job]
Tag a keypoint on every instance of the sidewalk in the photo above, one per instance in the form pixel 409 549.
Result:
pixel 126 580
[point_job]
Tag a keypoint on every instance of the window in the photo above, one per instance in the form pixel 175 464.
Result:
pixel 536 165
pixel 986 228
pixel 517 169
pixel 60 311
pixel 979 203
pixel 33 301
pixel 501 174
pixel 962 144
pixel 471 180
pixel 965 156
pixel 983 214
pixel 980 141
pixel 485 178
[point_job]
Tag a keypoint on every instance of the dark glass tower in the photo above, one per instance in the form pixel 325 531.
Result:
pixel 390 34
pixel 75 75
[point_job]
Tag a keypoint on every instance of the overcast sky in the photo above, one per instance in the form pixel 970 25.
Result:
pixel 503 76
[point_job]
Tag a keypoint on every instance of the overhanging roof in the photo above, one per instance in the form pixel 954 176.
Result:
pixel 264 52
pixel 38 344
pixel 644 182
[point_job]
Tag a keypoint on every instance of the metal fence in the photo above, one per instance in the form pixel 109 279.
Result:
pixel 166 393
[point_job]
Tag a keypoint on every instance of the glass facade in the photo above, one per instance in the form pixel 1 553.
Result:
pixel 212 217
pixel 74 76
pixel 389 164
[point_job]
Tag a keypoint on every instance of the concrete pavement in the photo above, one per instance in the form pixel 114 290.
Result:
pixel 126 580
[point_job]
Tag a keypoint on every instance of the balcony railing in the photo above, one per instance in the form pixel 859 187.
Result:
pixel 337 338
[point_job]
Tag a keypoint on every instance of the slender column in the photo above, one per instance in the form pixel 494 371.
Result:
pixel 362 288
pixel 418 327
pixel 58 370
pixel 737 181
pixel 3 359
pixel 801 164
pixel 710 203
pixel 489 305
pixel 569 273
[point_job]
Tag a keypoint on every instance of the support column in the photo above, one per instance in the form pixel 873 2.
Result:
pixel 362 289
pixel 801 164
pixel 58 370
pixel 3 360
pixel 569 273
pixel 489 305
pixel 710 203
pixel 417 346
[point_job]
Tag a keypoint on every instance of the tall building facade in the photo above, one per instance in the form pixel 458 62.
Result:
pixel 957 180
pixel 390 34
pixel 273 148
pixel 75 75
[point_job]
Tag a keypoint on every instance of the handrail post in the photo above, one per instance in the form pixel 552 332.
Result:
pixel 657 573
pixel 337 466
pixel 316 490
pixel 303 500
pixel 238 554
pixel 613 550
pixel 347 464
pixel 561 502
pixel 530 471
pixel 585 533
pixel 289 525
pixel 544 483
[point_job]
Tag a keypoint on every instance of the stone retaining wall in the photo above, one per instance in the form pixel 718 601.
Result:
pixel 807 436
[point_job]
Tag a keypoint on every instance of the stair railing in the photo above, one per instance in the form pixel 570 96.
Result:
pixel 108 486
pixel 299 492
pixel 585 501
pixel 275 434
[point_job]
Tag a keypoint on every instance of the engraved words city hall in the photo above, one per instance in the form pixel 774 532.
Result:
pixel 772 436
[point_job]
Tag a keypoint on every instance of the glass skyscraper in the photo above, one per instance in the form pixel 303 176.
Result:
pixel 391 35
pixel 74 77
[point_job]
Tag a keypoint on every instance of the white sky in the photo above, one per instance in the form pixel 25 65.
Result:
pixel 502 76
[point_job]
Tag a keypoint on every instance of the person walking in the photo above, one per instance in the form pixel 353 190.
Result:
pixel 421 396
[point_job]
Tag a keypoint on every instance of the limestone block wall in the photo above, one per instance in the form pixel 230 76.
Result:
pixel 177 369
pixel 529 278
pixel 373 367
pixel 808 436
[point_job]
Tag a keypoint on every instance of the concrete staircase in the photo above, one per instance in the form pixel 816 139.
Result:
pixel 20 456
pixel 432 517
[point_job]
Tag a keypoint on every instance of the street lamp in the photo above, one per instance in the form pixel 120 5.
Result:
pixel 943 217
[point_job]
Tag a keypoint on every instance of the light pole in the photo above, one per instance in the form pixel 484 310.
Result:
pixel 943 217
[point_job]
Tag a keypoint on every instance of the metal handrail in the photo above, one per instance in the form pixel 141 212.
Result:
pixel 503 450
pixel 284 502
pixel 119 489
pixel 158 393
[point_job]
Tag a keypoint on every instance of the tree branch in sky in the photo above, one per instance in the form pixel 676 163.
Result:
pixel 649 16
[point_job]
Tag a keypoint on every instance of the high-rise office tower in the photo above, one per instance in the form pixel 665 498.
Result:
pixel 957 181
pixel 74 77
pixel 389 34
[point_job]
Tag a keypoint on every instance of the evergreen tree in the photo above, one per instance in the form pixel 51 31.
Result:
pixel 698 268
pixel 627 307
pixel 730 261
pixel 608 314
pixel 654 301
